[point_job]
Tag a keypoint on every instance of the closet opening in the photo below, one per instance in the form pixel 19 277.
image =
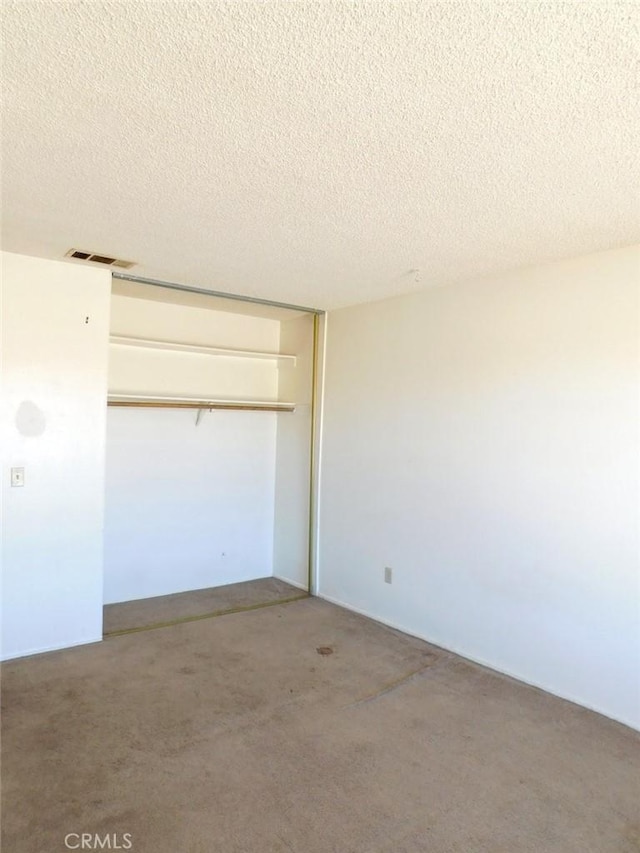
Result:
pixel 209 457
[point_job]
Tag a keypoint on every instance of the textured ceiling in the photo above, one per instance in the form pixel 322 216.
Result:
pixel 322 153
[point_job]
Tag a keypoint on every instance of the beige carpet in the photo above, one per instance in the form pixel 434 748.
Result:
pixel 130 615
pixel 234 735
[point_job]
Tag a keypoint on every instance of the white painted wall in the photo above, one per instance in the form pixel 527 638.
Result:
pixel 53 395
pixel 293 456
pixel 189 507
pixel 483 441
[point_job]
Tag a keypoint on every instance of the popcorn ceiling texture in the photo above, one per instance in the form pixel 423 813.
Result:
pixel 320 153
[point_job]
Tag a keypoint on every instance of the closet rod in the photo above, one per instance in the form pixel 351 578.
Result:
pixel 241 407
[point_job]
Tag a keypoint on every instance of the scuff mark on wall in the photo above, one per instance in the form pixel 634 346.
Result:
pixel 30 419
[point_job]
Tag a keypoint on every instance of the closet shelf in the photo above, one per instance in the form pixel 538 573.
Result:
pixel 144 401
pixel 223 352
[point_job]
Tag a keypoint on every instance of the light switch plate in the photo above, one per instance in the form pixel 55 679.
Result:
pixel 17 477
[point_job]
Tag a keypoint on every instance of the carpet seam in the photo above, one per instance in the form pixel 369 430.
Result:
pixel 394 685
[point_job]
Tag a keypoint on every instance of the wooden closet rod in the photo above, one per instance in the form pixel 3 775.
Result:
pixel 238 407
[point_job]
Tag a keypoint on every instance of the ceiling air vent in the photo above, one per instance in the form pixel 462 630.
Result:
pixel 100 259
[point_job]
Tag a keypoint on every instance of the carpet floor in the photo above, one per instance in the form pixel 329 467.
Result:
pixel 236 735
pixel 131 615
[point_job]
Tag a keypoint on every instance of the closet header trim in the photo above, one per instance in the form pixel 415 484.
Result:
pixel 204 291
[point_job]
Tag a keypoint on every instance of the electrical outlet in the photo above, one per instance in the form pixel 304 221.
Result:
pixel 388 575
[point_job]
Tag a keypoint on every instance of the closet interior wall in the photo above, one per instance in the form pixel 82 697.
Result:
pixel 198 498
pixel 293 458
